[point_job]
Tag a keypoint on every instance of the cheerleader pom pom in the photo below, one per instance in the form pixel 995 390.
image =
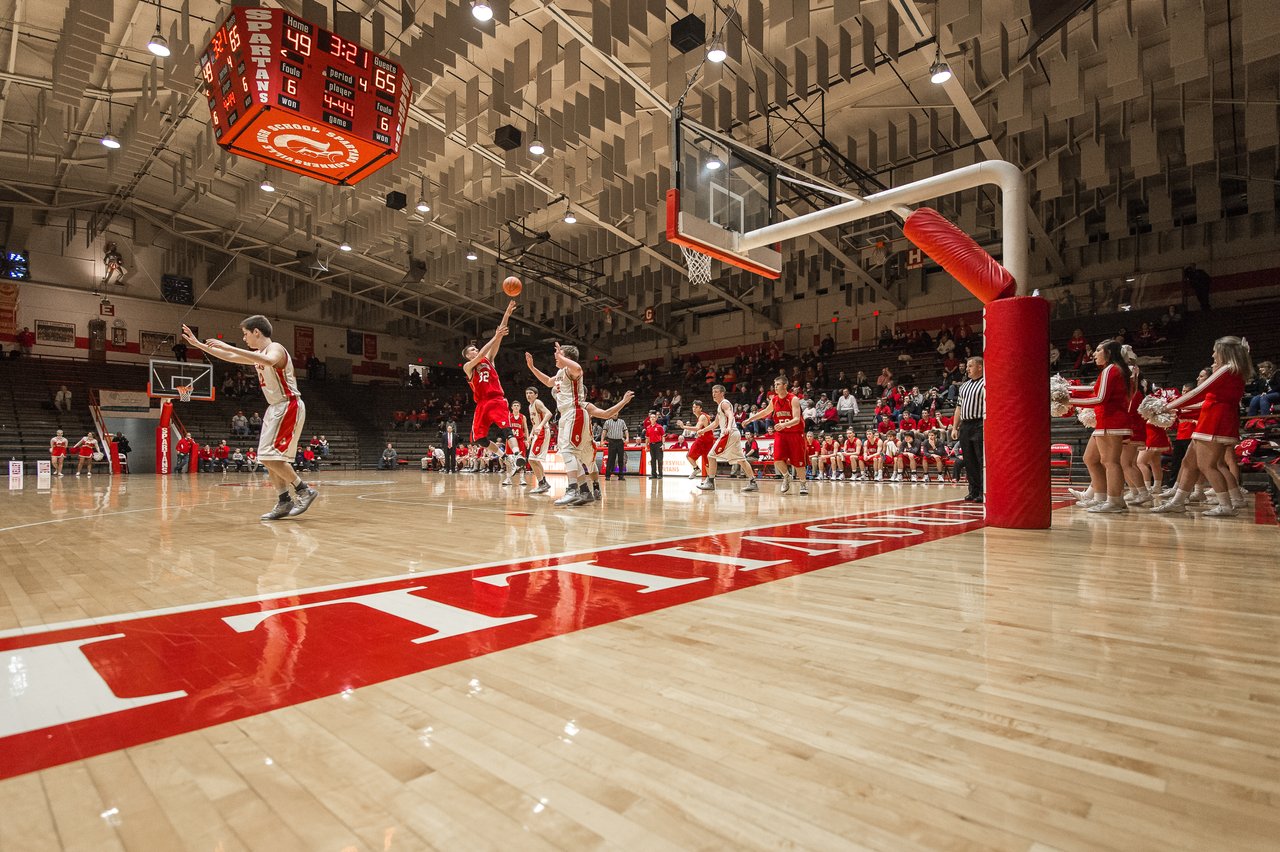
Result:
pixel 1059 409
pixel 1154 411
pixel 1087 418
pixel 1059 391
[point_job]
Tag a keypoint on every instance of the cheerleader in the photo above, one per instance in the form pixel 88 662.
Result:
pixel 1109 397
pixel 1154 448
pixel 58 452
pixel 1217 429
pixel 85 449
pixel 1137 438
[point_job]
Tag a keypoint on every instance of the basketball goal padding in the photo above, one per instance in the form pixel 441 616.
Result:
pixel 957 253
pixel 1016 431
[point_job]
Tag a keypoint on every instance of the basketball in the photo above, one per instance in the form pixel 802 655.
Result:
pixel 511 286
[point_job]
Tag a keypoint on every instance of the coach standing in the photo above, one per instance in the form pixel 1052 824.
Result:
pixel 654 433
pixel 615 434
pixel 449 443
pixel 969 415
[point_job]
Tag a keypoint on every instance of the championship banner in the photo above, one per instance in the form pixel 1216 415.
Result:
pixel 8 309
pixel 371 347
pixel 304 343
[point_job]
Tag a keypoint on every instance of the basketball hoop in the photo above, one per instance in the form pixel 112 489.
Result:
pixel 699 265
pixel 184 392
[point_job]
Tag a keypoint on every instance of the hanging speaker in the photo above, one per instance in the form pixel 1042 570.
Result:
pixel 396 200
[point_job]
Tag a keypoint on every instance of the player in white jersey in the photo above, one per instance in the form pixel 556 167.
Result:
pixel 286 413
pixel 728 447
pixel 539 438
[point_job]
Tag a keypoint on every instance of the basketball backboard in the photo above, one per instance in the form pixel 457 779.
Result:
pixel 167 379
pixel 721 189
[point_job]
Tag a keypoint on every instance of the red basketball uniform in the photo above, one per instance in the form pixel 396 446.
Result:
pixel 491 403
pixel 788 441
pixel 517 432
pixel 870 449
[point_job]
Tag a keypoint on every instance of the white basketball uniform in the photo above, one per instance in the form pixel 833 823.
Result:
pixel 539 441
pixel 728 447
pixel 282 423
pixel 571 399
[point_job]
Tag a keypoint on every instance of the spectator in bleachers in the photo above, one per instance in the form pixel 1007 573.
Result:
pixel 885 379
pixel 239 424
pixel 886 338
pixel 1170 324
pixel 862 385
pixel 309 460
pixel 255 422
pixel 205 461
pixel 26 341
pixel 399 419
pixel 221 457
pixel 1055 355
pixel 828 347
pixel 323 449
pixel 946 345
pixel 237 459
pixel 389 458
pixel 1264 391
pixel 846 406
pixel 1077 348
pixel 62 399
pixel 251 459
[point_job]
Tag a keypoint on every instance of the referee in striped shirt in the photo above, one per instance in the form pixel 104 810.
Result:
pixel 969 415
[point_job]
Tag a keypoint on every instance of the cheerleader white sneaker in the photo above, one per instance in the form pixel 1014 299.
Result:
pixel 1089 503
pixel 1079 493
pixel 1138 498
pixel 1169 507
pixel 1108 507
pixel 1242 503
pixel 1220 512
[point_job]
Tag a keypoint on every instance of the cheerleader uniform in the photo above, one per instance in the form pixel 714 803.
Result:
pixel 1158 438
pixel 1109 398
pixel 1219 398
pixel 1137 424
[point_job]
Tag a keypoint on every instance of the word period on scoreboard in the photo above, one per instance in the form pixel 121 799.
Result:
pixel 287 93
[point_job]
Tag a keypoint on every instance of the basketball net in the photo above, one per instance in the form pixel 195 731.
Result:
pixel 698 264
pixel 184 392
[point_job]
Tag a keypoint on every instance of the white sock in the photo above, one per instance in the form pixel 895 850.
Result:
pixel 1179 497
pixel 1237 495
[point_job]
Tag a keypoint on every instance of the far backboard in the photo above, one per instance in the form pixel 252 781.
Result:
pixel 722 189
pixel 167 379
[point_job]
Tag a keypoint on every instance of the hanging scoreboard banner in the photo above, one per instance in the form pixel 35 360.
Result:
pixel 287 93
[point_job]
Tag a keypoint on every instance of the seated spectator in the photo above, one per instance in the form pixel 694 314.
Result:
pixel 309 459
pixel 62 399
pixel 239 424
pixel 324 448
pixel 389 458
pixel 862 385
pixel 886 339
pixel 237 459
pixel 1077 348
pixel 1170 323
pixel 1263 392
pixel 847 406
pixel 206 459
pixel 1054 356
pixel 255 422
pixel 1146 336
pixel 399 419
pixel 221 457
pixel 885 379
pixel 828 347
pixel 946 345
pixel 251 459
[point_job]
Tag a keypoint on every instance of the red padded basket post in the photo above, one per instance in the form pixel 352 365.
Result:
pixel 957 253
pixel 1016 432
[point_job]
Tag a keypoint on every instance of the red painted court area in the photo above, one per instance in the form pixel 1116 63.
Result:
pixel 87 689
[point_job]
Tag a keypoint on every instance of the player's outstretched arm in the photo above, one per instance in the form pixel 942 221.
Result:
pixel 761 414
pixel 487 351
pixel 537 374
pixel 272 356
pixel 610 413
pixel 496 340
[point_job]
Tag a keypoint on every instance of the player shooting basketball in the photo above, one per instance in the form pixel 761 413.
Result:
pixel 282 423
pixel 491 425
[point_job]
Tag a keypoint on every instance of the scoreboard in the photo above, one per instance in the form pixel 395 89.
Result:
pixel 287 93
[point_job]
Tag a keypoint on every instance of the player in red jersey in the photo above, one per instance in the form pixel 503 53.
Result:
pixel 788 434
pixel 851 454
pixel 491 425
pixel 872 455
pixel 703 439
pixel 517 445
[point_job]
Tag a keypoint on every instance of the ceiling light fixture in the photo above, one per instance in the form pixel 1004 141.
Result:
pixel 714 164
pixel 716 52
pixel 108 140
pixel 939 71
pixel 569 218
pixel 481 10
pixel 422 206
pixel 536 148
pixel 344 246
pixel 471 254
pixel 266 185
pixel 158 44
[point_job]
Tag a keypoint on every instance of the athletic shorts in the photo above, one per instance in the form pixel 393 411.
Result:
pixel 490 412
pixel 701 446
pixel 538 449
pixel 728 448
pixel 281 428
pixel 585 449
pixel 789 447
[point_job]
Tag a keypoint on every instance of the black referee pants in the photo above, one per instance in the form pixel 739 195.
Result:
pixel 616 462
pixel 971 447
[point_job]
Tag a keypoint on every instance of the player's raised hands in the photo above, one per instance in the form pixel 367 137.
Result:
pixel 528 359
pixel 189 336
